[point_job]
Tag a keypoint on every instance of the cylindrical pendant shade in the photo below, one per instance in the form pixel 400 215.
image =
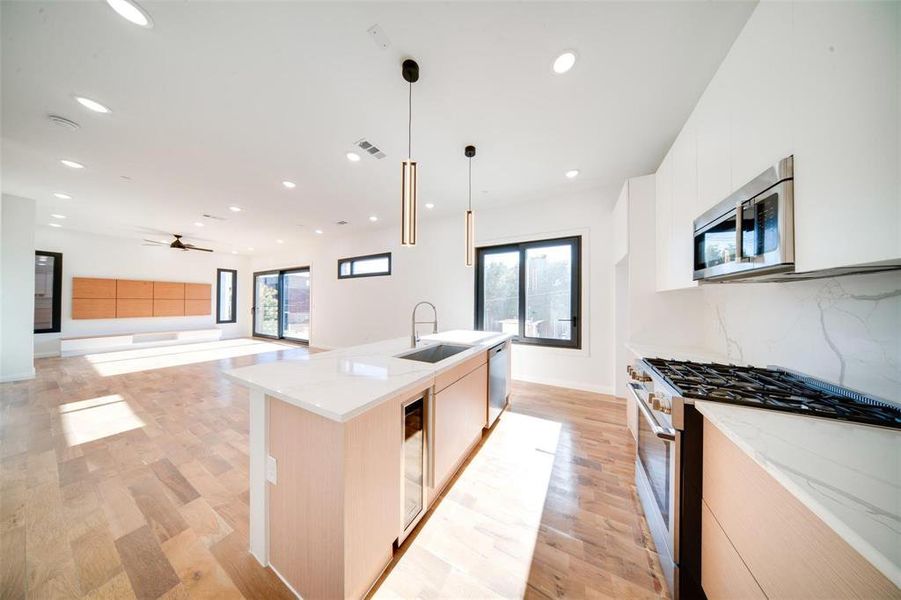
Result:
pixel 408 203
pixel 470 238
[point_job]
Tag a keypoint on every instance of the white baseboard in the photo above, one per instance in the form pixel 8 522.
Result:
pixel 51 354
pixel 565 383
pixel 21 376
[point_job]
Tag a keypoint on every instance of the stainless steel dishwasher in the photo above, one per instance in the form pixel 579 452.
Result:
pixel 498 369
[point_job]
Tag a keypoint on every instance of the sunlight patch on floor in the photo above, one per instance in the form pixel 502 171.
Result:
pixel 89 420
pixel 488 523
pixel 145 359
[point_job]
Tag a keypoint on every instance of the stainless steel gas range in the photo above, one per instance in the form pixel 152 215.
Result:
pixel 668 466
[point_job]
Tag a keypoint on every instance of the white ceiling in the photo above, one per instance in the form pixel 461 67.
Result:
pixel 220 102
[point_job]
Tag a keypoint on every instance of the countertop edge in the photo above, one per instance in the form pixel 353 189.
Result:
pixel 881 562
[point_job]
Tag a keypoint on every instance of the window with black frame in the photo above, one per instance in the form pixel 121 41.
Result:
pixel 48 296
pixel 226 295
pixel 532 290
pixel 371 265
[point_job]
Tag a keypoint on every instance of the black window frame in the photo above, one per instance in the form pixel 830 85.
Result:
pixel 57 309
pixel 575 343
pixel 234 298
pixel 352 259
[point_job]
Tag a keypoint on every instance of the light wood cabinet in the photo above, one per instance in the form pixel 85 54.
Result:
pixel 461 412
pixel 723 574
pixel 789 551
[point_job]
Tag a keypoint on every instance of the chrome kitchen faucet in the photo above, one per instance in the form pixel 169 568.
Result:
pixel 414 338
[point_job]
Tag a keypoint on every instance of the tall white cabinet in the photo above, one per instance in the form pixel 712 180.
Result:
pixel 814 79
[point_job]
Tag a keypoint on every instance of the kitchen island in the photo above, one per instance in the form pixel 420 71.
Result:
pixel 349 448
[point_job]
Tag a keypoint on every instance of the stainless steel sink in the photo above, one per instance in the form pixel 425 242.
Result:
pixel 435 353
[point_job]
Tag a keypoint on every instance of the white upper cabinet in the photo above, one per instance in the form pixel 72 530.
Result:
pixel 846 106
pixel 819 80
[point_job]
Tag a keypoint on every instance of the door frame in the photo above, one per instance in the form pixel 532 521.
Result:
pixel 281 285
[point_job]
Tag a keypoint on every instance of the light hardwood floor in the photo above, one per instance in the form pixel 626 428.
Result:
pixel 130 480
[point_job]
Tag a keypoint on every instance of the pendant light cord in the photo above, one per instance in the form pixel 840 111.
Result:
pixel 470 183
pixel 410 124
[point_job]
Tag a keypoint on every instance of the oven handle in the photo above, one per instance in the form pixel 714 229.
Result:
pixel 663 433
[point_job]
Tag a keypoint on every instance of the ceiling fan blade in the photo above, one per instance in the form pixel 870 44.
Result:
pixel 155 242
pixel 153 245
pixel 193 247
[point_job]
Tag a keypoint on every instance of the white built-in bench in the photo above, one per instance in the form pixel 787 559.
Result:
pixel 76 346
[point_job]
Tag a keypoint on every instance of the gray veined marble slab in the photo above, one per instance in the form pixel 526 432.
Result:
pixel 849 475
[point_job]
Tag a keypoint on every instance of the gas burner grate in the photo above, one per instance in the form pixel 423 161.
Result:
pixel 774 389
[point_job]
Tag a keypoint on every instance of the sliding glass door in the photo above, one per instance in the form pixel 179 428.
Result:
pixel 281 306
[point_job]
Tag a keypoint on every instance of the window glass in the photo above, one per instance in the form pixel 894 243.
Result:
pixel 500 285
pixel 227 294
pixel 531 290
pixel 365 266
pixel 549 292
pixel 46 289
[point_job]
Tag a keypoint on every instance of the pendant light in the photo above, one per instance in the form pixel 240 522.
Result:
pixel 410 71
pixel 470 151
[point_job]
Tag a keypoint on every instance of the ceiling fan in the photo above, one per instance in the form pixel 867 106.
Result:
pixel 177 244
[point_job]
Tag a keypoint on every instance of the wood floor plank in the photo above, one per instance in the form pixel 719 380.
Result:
pixel 198 570
pixel 160 513
pixel 149 571
pixel 174 480
pixel 96 558
pixel 12 563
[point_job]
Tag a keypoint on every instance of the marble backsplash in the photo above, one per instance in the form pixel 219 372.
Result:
pixel 846 330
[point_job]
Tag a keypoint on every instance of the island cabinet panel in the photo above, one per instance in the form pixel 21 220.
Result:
pixel 723 575
pixel 789 551
pixel 455 373
pixel 461 411
pixel 334 512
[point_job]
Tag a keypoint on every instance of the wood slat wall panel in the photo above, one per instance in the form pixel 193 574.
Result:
pixel 133 288
pixel 94 308
pixel 168 290
pixel 134 307
pixel 93 287
pixel 168 308
pixel 198 291
pixel 197 307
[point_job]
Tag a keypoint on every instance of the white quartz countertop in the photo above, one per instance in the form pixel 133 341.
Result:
pixel 341 384
pixel 849 475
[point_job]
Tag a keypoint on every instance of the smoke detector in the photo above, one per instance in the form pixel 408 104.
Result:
pixel 63 122
pixel 369 148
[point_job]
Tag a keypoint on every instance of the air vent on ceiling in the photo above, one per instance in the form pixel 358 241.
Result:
pixel 341 223
pixel 369 148
pixel 63 122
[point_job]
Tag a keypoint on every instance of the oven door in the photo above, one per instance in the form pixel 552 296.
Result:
pixel 655 478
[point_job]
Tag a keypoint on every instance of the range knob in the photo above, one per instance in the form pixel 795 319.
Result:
pixel 654 400
pixel 642 377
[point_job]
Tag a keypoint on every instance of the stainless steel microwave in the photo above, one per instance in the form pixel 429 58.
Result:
pixel 751 232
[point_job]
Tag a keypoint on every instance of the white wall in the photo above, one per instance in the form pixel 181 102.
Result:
pixel 349 312
pixel 90 255
pixel 16 288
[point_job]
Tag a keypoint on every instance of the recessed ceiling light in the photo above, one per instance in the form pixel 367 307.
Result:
pixel 234 251
pixel 54 224
pixel 318 232
pixel 564 62
pixel 92 105
pixel 250 248
pixel 235 208
pixel 58 216
pixel 353 157
pixel 198 224
pixel 373 218
pixel 289 184
pixel 72 164
pixel 131 12
pixel 279 241
pixel 62 196
pixel 572 173
pixel 429 205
